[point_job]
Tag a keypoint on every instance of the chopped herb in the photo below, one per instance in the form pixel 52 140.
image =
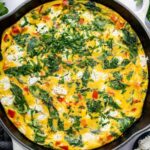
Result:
pixel 117 75
pixel 112 64
pixel 85 78
pixel 21 39
pixel 125 62
pixel 72 140
pixel 93 106
pixel 129 76
pixel 92 6
pixel 117 85
pixel 20 101
pixel 3 9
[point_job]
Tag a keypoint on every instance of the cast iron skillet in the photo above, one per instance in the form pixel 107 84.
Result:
pixel 141 124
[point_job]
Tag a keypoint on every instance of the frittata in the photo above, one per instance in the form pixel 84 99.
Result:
pixel 73 75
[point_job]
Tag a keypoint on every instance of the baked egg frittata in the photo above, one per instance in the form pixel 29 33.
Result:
pixel 73 75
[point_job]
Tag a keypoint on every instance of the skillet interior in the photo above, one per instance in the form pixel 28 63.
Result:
pixel 136 25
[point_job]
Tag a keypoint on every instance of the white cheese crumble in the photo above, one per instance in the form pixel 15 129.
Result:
pixel 42 117
pixel 5 83
pixel 143 60
pixel 89 137
pixel 67 77
pixel 42 28
pixel 98 75
pixel 57 137
pixel 106 127
pixel 89 16
pixel 7 100
pixel 144 144
pixel 79 74
pixel 113 113
pixel 33 80
pixel 58 90
pixel 22 130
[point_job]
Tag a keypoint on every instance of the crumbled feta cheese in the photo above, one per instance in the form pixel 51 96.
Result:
pixel 87 15
pixel 33 80
pixel 54 13
pixel 89 137
pixel 41 117
pixel 143 60
pixel 59 90
pixel 116 33
pixel 79 74
pixel 38 108
pixel 42 28
pixel 119 58
pixel 98 75
pixel 57 137
pixel 113 113
pixel 106 127
pixel 5 83
pixel 7 100
pixel 67 77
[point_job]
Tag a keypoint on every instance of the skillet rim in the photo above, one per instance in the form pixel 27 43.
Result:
pixel 130 12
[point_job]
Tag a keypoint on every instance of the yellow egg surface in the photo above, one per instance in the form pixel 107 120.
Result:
pixel 73 75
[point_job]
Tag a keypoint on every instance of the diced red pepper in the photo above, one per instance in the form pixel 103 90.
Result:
pixel 114 18
pixel 95 94
pixel 136 101
pixel 57 143
pixel 65 3
pixel 109 137
pixel 61 99
pixel 26 89
pixel 11 113
pixel 81 21
pixel 15 30
pixel 133 110
pixel 64 147
pixel 6 38
pixel 80 96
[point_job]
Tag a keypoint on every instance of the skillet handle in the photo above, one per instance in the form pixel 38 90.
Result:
pixel 143 11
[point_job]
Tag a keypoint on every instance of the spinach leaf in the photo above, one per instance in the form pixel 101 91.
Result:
pixel 71 2
pixel 21 39
pixel 92 6
pixel 3 9
pixel 51 124
pixel 117 75
pixel 129 76
pixel 76 123
pixel 53 63
pixel 108 100
pixel 39 139
pixel 25 22
pixel 112 64
pixel 40 93
pixel 125 62
pixel 85 77
pixel 19 102
pixel 117 85
pixel 87 62
pixel 33 47
pixel 125 123
pixel 23 70
pixel 109 43
pixel 72 140
pixel 60 125
pixel 93 106
pixel 128 38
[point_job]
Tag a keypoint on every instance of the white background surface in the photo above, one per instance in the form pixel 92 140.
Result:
pixel 12 4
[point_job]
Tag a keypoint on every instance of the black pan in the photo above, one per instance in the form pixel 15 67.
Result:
pixel 142 124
